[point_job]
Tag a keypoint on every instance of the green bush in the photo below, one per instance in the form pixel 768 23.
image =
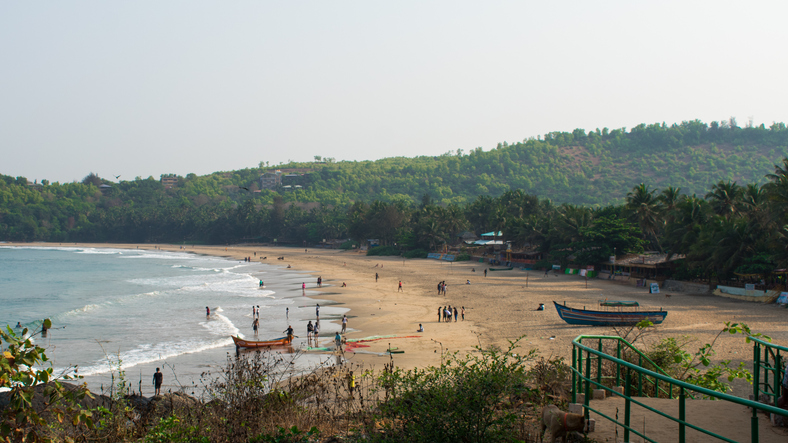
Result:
pixel 462 257
pixel 383 251
pixel 543 264
pixel 459 401
pixel 348 245
pixel 416 253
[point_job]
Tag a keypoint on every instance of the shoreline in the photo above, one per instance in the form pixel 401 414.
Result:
pixel 499 307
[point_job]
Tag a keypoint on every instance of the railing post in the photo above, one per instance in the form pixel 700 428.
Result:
pixel 574 373
pixel 756 369
pixel 777 375
pixel 682 414
pixel 580 369
pixel 587 398
pixel 618 365
pixel 756 382
pixel 599 364
pixel 640 377
pixel 627 405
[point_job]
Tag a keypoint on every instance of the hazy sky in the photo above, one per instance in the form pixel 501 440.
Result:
pixel 141 88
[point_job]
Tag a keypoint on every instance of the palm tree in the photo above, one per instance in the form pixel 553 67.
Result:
pixel 645 211
pixel 668 199
pixel 726 198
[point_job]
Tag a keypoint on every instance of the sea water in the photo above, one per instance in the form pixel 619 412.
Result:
pixel 134 310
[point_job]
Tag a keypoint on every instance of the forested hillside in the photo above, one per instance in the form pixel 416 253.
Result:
pixel 593 169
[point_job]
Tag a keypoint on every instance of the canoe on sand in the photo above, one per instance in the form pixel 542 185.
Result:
pixel 261 344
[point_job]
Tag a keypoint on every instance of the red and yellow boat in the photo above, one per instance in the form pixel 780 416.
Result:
pixel 281 341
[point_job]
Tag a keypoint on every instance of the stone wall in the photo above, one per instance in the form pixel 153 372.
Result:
pixel 683 286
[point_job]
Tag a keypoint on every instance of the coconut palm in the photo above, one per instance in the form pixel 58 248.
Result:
pixel 645 210
pixel 726 198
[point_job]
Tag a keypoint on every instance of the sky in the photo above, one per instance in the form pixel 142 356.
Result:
pixel 145 88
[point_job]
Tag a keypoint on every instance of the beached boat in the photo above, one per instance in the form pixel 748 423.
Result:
pixel 281 341
pixel 502 269
pixel 609 318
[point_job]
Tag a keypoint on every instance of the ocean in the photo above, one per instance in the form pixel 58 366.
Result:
pixel 135 310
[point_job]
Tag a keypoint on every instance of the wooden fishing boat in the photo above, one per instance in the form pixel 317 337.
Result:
pixel 502 269
pixel 587 317
pixel 281 341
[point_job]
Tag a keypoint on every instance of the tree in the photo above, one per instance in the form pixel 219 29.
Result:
pixel 605 236
pixel 645 211
pixel 92 179
pixel 725 198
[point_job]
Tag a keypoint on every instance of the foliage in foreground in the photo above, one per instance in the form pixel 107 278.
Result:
pixel 20 421
pixel 677 359
pixel 458 401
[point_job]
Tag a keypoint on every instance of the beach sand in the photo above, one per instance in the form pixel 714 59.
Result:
pixel 498 308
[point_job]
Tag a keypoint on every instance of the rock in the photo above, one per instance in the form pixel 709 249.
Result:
pixel 40 401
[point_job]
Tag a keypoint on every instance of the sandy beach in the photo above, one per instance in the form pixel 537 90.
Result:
pixel 498 308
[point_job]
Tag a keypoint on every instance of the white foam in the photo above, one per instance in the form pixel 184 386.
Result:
pixel 219 325
pixel 86 308
pixel 99 251
pixel 148 353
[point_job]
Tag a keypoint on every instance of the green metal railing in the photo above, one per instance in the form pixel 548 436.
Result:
pixel 621 345
pixel 583 377
pixel 768 366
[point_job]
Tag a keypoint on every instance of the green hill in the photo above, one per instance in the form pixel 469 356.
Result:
pixel 596 168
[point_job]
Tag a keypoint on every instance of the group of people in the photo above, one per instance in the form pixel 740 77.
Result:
pixel 256 317
pixel 445 313
pixel 313 331
pixel 442 288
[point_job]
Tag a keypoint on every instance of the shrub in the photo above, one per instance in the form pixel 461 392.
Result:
pixel 416 253
pixel 462 257
pixel 21 372
pixel 348 245
pixel 383 251
pixel 459 401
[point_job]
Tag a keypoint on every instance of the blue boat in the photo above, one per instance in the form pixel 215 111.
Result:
pixel 607 318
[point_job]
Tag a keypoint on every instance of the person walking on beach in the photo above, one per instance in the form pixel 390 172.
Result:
pixel 255 326
pixel 207 311
pixel 444 288
pixel 309 329
pixel 303 287
pixel 376 277
pixel 344 323
pixel 317 310
pixel 399 288
pixel 485 272
pixel 320 282
pixel 338 341
pixel 351 383
pixel 253 311
pixel 463 313
pixel 287 313
pixel 439 288
pixel 455 314
pixel 439 314
pixel 158 377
